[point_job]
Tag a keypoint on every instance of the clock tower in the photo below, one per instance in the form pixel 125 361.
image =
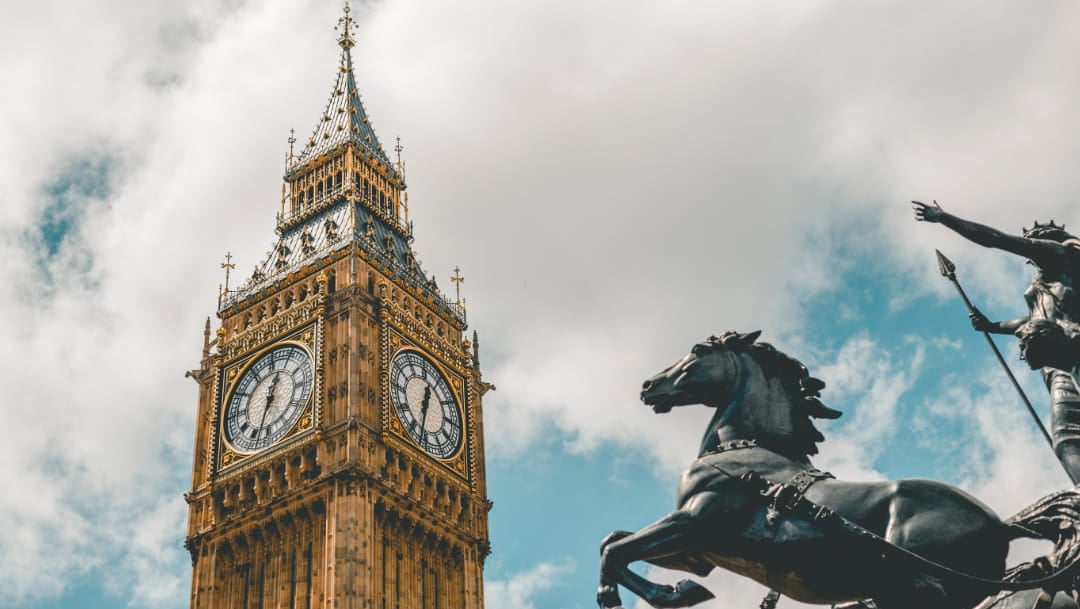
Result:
pixel 339 451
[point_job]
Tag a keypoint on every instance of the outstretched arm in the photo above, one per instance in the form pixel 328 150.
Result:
pixel 982 324
pixel 1042 252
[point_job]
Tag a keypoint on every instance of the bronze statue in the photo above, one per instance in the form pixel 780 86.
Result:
pixel 753 503
pixel 1052 296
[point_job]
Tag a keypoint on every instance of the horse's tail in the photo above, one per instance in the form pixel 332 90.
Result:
pixel 1055 517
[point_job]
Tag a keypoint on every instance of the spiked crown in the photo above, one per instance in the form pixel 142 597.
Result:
pixel 1050 231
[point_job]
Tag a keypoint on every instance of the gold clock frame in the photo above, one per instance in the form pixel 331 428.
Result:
pixel 306 338
pixel 396 341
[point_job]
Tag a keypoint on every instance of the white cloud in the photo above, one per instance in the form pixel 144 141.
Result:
pixel 1004 460
pixel 755 204
pixel 517 591
pixel 153 555
pixel 867 384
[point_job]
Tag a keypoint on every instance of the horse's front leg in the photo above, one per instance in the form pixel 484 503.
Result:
pixel 674 534
pixel 607 595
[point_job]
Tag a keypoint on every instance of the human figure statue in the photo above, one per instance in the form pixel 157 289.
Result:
pixel 1053 296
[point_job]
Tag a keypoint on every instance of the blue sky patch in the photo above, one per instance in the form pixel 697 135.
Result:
pixel 82 179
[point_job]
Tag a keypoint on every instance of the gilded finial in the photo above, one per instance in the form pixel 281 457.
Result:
pixel 398 149
pixel 345 26
pixel 457 279
pixel 291 140
pixel 228 265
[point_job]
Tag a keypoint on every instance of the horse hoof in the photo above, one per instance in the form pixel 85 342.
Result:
pixel 608 598
pixel 683 594
pixel 692 593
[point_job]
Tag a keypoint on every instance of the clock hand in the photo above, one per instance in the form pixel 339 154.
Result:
pixel 269 399
pixel 423 416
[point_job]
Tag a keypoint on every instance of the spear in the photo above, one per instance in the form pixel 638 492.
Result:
pixel 948 270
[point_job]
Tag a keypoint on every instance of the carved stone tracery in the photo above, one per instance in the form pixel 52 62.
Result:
pixel 269 329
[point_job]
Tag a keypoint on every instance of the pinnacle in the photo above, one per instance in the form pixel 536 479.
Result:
pixel 344 119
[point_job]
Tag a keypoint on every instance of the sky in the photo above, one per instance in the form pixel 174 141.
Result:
pixel 616 180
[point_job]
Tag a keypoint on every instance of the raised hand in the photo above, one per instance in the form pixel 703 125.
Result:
pixel 927 213
pixel 979 321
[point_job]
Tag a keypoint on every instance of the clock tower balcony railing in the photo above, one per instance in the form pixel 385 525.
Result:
pixel 297 212
pixel 228 298
pixel 411 275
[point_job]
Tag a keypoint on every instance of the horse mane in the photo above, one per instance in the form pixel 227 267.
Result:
pixel 805 389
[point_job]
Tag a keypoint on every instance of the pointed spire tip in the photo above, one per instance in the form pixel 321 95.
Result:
pixel 346 25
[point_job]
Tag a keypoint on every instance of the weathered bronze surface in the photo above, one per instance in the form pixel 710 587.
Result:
pixel 752 503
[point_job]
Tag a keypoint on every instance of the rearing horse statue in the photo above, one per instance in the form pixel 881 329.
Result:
pixel 752 503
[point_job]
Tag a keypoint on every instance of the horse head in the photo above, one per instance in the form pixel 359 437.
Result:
pixel 758 391
pixel 707 375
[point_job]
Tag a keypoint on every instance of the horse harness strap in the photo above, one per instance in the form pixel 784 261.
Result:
pixel 790 497
pixel 725 446
pixel 784 498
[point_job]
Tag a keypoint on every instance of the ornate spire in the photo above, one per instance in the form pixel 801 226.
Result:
pixel 398 148
pixel 404 195
pixel 206 342
pixel 344 120
pixel 342 189
pixel 346 25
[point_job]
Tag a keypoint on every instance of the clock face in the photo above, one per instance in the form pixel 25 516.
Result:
pixel 269 398
pixel 425 405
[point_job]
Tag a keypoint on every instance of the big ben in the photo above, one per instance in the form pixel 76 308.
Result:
pixel 339 437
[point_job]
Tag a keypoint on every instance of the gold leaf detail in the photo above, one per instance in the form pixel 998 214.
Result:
pixel 229 457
